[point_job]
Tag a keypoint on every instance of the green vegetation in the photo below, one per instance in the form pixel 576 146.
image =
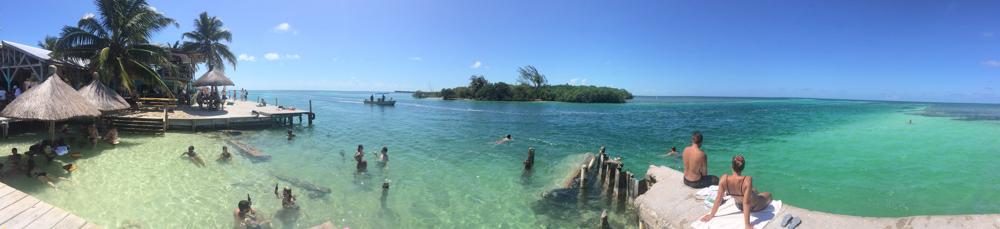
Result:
pixel 117 43
pixel 206 40
pixel 533 87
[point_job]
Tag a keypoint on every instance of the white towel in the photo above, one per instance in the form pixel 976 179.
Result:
pixel 730 217
pixel 706 192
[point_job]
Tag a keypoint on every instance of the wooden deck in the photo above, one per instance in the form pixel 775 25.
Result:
pixel 235 113
pixel 20 210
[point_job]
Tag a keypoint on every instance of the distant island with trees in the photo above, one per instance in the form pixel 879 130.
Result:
pixel 532 86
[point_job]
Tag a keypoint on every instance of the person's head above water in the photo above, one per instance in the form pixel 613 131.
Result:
pixel 738 163
pixel 696 138
pixel 244 206
pixel 190 148
pixel 674 149
pixel 360 148
pixel 385 149
pixel 13 150
pixel 509 137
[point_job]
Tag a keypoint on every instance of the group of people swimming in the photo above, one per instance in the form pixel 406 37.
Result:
pixel 362 164
pixel 736 185
pixel 192 155
pixel 27 164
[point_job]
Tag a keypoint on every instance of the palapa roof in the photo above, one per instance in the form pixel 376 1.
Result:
pixel 213 78
pixel 103 97
pixel 52 100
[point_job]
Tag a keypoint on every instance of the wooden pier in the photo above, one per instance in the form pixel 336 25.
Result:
pixel 20 210
pixel 236 114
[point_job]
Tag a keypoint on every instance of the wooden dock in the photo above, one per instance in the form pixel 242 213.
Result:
pixel 236 114
pixel 20 210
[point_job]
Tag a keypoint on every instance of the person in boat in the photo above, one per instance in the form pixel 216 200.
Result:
pixel 741 188
pixel 112 136
pixel 673 152
pixel 194 156
pixel 696 165
pixel 225 156
pixel 383 156
pixel 505 139
pixel 287 199
pixel 528 163
pixel 14 158
pixel 93 135
pixel 290 134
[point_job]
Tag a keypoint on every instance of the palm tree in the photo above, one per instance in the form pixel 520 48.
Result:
pixel 117 43
pixel 530 75
pixel 48 43
pixel 206 40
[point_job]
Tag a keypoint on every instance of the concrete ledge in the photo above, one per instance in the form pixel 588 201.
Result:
pixel 670 204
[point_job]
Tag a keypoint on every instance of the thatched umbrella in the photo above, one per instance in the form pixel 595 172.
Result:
pixel 103 97
pixel 52 100
pixel 213 78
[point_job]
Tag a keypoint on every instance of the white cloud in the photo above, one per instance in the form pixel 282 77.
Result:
pixel 577 81
pixel 88 15
pixel 292 56
pixel 245 57
pixel 416 58
pixel 476 64
pixel 152 8
pixel 272 56
pixel 283 27
pixel 992 63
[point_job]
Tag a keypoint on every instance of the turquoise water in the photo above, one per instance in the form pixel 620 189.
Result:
pixel 848 157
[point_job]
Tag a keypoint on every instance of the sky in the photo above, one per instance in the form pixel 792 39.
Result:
pixel 945 51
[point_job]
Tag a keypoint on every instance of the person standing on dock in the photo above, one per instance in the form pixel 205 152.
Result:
pixel 696 165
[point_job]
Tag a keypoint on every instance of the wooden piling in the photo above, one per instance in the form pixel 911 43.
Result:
pixel 311 115
pixel 166 119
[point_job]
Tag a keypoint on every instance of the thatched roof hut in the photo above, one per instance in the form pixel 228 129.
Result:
pixel 103 97
pixel 213 78
pixel 52 100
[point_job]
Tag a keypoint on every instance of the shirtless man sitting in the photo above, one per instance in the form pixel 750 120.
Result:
pixel 696 165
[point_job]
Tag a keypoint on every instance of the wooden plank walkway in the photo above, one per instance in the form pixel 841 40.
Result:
pixel 20 210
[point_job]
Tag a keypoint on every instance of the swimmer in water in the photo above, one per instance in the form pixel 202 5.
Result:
pixel 505 139
pixel 383 155
pixel 194 156
pixel 360 154
pixel 673 152
pixel 225 156
pixel 290 134
pixel 287 199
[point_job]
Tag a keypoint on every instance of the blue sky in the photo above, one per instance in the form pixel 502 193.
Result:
pixel 891 50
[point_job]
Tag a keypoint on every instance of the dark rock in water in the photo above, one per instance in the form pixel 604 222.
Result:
pixel 317 191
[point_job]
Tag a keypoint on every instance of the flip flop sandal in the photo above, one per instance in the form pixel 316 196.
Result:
pixel 787 219
pixel 795 223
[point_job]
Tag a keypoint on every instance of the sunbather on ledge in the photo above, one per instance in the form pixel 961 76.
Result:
pixel 741 189
pixel 696 165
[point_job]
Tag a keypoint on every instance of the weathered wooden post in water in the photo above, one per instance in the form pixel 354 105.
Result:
pixel 311 115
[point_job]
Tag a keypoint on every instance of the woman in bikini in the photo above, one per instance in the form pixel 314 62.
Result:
pixel 741 189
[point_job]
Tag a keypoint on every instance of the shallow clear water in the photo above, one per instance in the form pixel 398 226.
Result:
pixel 849 157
